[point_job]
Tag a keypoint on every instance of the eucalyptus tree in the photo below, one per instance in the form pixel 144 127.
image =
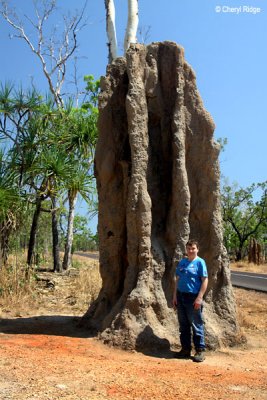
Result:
pixel 244 217
pixel 131 28
pixel 84 239
pixel 132 24
pixel 111 30
pixel 53 49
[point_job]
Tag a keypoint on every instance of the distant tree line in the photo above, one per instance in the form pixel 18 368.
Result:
pixel 244 213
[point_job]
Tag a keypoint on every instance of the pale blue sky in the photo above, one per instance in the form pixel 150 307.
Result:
pixel 226 44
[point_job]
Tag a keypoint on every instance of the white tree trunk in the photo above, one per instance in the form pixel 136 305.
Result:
pixel 132 24
pixel 111 29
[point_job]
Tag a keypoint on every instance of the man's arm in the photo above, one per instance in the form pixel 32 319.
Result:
pixel 203 288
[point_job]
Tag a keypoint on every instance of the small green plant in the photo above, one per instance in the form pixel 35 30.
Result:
pixel 76 264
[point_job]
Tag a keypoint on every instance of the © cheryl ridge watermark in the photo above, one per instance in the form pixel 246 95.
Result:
pixel 238 10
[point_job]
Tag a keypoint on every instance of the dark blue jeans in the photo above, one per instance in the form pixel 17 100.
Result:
pixel 190 319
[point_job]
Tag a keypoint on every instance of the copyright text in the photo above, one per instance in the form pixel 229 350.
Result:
pixel 238 10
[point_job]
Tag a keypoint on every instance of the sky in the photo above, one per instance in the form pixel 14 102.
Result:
pixel 225 42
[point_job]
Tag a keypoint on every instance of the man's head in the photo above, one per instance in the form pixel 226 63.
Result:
pixel 192 248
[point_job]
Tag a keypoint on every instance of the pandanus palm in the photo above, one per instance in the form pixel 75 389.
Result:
pixel 78 134
pixel 10 206
pixel 54 169
pixel 80 183
pixel 16 111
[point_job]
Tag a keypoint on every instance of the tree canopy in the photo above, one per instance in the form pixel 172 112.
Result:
pixel 245 216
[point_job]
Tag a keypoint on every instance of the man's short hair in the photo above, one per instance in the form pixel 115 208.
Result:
pixel 192 242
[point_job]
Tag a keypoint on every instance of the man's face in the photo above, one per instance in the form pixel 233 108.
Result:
pixel 191 251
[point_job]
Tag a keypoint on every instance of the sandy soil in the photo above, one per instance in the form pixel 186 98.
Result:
pixel 45 356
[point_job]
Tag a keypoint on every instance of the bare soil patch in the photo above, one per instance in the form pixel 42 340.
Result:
pixel 45 356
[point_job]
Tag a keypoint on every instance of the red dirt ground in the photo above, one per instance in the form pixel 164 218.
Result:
pixel 47 357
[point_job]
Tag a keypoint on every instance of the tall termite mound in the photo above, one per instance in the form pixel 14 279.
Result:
pixel 157 175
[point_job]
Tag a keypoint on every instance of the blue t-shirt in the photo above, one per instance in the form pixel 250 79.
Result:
pixel 190 274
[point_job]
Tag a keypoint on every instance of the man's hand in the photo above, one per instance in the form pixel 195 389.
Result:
pixel 197 303
pixel 203 288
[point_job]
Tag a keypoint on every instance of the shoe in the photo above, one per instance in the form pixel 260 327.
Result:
pixel 199 356
pixel 183 354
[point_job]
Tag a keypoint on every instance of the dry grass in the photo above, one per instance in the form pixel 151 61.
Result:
pixel 17 289
pixel 70 292
pixel 251 309
pixel 245 266
pixel 82 260
pixel 87 282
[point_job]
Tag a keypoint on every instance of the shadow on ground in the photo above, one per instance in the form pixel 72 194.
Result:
pixel 56 325
pixel 69 326
pixel 154 346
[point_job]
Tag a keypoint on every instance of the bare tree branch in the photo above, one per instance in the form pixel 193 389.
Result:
pixel 144 33
pixel 52 52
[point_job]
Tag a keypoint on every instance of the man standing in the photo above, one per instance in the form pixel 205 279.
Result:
pixel 191 283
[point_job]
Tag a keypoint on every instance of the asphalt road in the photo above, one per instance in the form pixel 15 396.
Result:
pixel 249 280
